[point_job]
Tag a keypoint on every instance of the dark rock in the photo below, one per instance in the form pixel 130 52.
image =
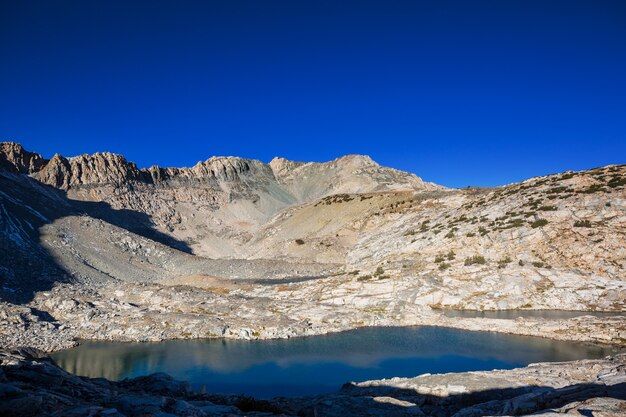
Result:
pixel 137 404
pixel 159 383
pixel 21 407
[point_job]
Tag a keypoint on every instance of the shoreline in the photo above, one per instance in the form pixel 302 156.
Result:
pixel 561 330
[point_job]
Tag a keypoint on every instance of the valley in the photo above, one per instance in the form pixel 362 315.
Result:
pixel 94 248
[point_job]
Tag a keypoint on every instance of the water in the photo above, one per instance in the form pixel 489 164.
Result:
pixel 513 314
pixel 318 364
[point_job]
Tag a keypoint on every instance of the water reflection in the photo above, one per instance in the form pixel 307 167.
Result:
pixel 321 363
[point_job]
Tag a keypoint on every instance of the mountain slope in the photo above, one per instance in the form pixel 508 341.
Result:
pixel 550 242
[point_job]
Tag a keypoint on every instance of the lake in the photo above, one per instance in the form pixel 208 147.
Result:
pixel 318 364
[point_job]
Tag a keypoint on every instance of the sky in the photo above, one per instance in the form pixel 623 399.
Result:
pixel 461 93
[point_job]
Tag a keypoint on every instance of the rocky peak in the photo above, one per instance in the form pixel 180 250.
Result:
pixel 99 168
pixel 14 158
pixel 227 168
pixel 217 168
pixel 283 166
pixel 355 159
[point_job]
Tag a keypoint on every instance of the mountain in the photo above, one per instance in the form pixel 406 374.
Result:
pixel 298 248
pixel 215 206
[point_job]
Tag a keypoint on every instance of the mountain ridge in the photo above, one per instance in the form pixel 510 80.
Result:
pixel 79 168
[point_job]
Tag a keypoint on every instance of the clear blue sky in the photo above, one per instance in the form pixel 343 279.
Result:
pixel 458 92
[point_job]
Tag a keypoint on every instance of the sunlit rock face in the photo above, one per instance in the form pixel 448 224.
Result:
pixel 14 158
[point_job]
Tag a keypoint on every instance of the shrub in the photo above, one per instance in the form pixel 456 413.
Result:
pixel 616 182
pixel 439 259
pixel 538 264
pixel 443 266
pixel 300 241
pixel 364 278
pixel 451 255
pixel 476 259
pixel 379 271
pixel 520 263
pixel 504 261
pixel 538 223
pixel 582 223
pixel 450 235
pixel 470 234
pixel 556 190
pixel 595 188
pixel 547 208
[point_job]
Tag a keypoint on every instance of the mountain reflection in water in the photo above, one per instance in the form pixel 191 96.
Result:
pixel 317 364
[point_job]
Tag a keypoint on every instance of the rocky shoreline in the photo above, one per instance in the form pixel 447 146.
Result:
pixel 54 320
pixel 23 326
pixel 32 385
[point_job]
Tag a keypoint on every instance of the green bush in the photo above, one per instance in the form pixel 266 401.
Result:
pixel 475 260
pixel 616 182
pixel 443 266
pixel 538 223
pixel 504 261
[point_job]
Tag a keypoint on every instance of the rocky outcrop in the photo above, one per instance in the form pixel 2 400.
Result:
pixel 14 158
pixel 32 385
pixel 85 170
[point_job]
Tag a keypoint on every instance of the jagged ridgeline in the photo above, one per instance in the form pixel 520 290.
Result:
pixel 556 241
